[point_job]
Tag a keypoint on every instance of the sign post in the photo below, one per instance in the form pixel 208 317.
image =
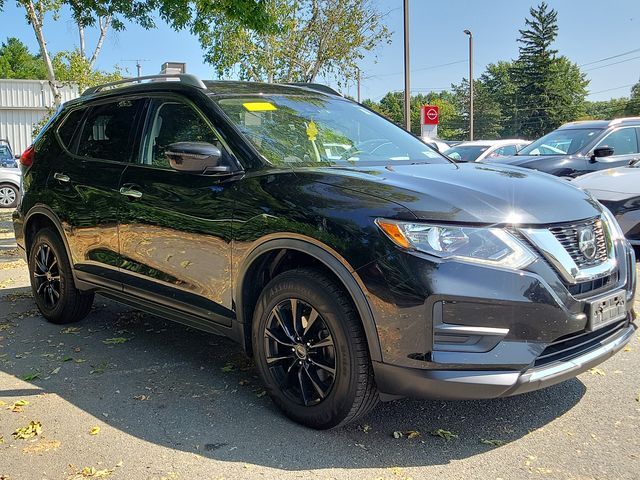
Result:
pixel 429 119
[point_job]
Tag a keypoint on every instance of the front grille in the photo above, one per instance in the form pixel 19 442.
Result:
pixel 567 235
pixel 593 287
pixel 569 346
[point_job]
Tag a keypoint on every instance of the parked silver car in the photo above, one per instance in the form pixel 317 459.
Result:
pixel 9 186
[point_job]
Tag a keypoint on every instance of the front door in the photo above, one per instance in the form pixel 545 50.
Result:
pixel 175 227
pixel 85 184
pixel 626 148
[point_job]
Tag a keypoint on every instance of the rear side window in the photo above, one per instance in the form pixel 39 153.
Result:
pixel 108 131
pixel 70 126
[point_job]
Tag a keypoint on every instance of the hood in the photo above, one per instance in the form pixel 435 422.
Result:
pixel 467 193
pixel 611 184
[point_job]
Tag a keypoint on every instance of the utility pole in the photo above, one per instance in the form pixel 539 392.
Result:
pixel 407 86
pixel 358 79
pixel 468 32
pixel 138 65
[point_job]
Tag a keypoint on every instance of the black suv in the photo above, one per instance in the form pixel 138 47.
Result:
pixel 577 148
pixel 352 261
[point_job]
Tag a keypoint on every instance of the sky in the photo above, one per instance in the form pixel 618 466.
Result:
pixel 590 31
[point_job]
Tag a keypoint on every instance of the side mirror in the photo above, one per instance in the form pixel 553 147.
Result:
pixel 196 157
pixel 604 151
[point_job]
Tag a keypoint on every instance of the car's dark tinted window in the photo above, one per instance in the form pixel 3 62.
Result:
pixel 109 130
pixel 70 127
pixel 623 141
pixel 170 122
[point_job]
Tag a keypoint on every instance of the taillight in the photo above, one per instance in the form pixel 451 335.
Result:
pixel 26 159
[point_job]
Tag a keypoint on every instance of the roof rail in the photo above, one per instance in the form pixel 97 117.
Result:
pixel 318 87
pixel 184 78
pixel 616 121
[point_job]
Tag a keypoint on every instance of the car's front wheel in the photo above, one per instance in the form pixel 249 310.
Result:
pixel 54 291
pixel 8 195
pixel 311 351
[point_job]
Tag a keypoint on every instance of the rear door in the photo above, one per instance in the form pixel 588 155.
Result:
pixel 175 227
pixel 98 142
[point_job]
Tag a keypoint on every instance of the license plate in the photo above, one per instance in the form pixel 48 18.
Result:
pixel 608 309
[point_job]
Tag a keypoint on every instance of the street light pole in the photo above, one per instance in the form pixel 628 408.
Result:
pixel 407 87
pixel 468 32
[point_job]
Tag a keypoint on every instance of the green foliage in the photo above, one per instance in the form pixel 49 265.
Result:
pixel 74 67
pixel 605 109
pixel 633 106
pixel 313 37
pixel 487 113
pixel 16 61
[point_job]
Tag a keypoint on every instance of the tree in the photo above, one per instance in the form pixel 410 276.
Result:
pixel 315 37
pixel 554 87
pixel 487 112
pixel 16 61
pixel 180 14
pixel 499 82
pixel 606 109
pixel 633 106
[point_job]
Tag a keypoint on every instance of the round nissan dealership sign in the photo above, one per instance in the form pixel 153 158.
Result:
pixel 429 115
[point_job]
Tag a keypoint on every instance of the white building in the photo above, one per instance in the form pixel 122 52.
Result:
pixel 24 103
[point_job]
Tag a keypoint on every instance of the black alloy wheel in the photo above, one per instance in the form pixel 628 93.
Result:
pixel 47 276
pixel 300 351
pixel 311 351
pixel 52 284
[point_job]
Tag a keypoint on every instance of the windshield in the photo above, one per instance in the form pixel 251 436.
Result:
pixel 306 130
pixel 5 153
pixel 562 142
pixel 468 153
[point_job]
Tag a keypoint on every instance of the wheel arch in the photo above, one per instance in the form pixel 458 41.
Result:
pixel 266 258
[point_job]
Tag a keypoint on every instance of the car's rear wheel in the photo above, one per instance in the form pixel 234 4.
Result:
pixel 8 195
pixel 311 351
pixel 52 284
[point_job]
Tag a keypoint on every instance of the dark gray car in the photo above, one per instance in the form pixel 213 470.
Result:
pixel 578 148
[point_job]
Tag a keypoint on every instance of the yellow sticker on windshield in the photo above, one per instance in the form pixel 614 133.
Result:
pixel 259 106
pixel 312 131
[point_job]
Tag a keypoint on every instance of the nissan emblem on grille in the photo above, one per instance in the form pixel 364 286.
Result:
pixel 587 242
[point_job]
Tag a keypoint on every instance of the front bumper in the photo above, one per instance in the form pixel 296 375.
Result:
pixel 459 331
pixel 471 385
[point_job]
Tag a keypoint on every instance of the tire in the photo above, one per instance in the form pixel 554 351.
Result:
pixel 295 360
pixel 8 195
pixel 55 293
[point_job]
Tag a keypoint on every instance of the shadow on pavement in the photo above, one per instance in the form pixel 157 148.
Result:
pixel 195 392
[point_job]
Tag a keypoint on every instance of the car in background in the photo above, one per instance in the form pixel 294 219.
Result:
pixel 578 148
pixel 9 187
pixel 618 189
pixel 479 150
pixel 435 143
pixel 6 155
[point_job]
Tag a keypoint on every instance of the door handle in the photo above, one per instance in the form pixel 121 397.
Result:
pixel 61 177
pixel 130 192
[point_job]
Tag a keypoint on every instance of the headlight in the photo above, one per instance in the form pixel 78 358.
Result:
pixel 488 246
pixel 614 227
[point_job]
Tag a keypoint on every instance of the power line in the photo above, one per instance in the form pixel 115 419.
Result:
pixel 610 58
pixel 612 63
pixel 420 69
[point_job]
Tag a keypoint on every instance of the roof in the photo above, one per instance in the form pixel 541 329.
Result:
pixel 603 123
pixel 491 143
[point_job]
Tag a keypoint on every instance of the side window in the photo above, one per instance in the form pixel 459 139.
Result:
pixel 170 122
pixel 623 141
pixel 108 131
pixel 70 126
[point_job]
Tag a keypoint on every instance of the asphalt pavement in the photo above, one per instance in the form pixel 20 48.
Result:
pixel 126 395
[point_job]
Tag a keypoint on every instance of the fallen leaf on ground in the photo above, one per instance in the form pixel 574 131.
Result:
pixel 186 263
pixel 30 431
pixel 141 397
pixel 17 406
pixel 91 472
pixel 596 371
pixel 366 428
pixel 626 349
pixel 42 446
pixel 99 369
pixel 70 330
pixel 228 368
pixel 261 394
pixel 243 383
pixel 446 434
pixel 55 371
pixel 494 443
pixel 30 376
pixel 94 430
pixel 115 341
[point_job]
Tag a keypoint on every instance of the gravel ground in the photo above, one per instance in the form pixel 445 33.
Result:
pixel 126 395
